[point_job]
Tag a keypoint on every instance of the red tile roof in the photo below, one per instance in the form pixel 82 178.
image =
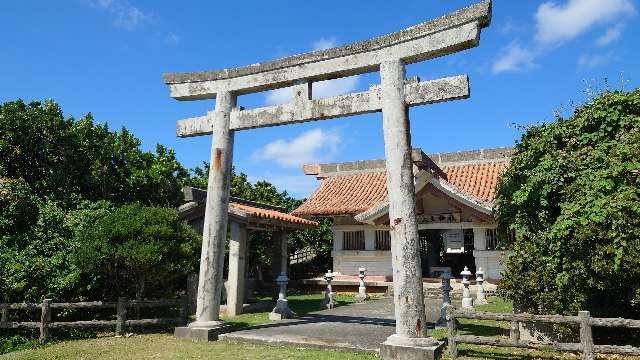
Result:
pixel 353 194
pixel 346 194
pixel 479 180
pixel 269 214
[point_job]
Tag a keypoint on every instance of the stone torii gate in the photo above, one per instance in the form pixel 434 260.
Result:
pixel 388 54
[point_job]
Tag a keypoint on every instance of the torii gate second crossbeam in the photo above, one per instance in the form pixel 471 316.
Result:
pixel 388 54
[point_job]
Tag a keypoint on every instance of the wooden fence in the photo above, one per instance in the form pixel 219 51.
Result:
pixel 584 320
pixel 120 324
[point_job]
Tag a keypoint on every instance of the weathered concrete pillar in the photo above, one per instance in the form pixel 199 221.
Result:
pixel 282 311
pixel 207 325
pixel 237 251
pixel 410 336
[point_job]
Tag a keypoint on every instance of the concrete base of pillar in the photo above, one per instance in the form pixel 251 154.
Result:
pixel 281 311
pixel 362 297
pixel 206 331
pixel 402 348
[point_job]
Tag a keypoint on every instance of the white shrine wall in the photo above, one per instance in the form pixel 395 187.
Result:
pixel 378 262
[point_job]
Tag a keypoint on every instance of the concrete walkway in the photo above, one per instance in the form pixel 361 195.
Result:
pixel 359 327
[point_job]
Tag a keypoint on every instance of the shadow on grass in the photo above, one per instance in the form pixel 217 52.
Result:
pixel 479 329
pixel 482 352
pixel 308 305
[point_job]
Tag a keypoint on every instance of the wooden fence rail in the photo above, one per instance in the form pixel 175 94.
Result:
pixel 120 324
pixel 584 320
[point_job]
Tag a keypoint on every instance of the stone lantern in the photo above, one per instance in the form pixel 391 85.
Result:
pixel 480 297
pixel 467 300
pixel 329 302
pixel 446 297
pixel 362 289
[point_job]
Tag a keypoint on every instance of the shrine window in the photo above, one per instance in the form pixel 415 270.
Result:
pixel 383 240
pixel 353 240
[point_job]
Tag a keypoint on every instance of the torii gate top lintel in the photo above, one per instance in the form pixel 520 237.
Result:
pixel 414 44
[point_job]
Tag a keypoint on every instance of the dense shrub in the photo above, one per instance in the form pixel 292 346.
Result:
pixel 137 251
pixel 572 195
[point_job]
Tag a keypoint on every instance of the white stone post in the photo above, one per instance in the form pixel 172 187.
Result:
pixel 328 302
pixel 216 216
pixel 369 240
pixel 480 298
pixel 362 289
pixel 479 239
pixel 408 294
pixel 467 300
pixel 337 240
pixel 282 311
pixel 237 252
pixel 446 297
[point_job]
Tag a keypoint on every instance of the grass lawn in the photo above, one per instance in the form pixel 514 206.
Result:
pixel 165 346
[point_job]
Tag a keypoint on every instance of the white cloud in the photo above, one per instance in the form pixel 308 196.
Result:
pixel 321 89
pixel 173 39
pixel 126 16
pixel 279 96
pixel 556 23
pixel 590 61
pixel 324 43
pixel 612 34
pixel 312 146
pixel 514 58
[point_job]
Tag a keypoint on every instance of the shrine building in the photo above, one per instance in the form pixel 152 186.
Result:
pixel 454 201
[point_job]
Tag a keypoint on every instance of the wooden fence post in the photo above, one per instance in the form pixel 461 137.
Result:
pixel 45 320
pixel 121 315
pixel 514 332
pixel 586 337
pixel 451 332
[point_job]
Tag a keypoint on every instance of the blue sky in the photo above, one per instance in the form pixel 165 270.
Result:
pixel 108 56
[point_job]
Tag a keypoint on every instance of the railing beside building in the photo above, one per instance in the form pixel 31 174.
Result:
pixel 120 324
pixel 584 320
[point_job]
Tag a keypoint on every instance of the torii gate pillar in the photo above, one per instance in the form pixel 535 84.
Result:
pixel 207 325
pixel 405 251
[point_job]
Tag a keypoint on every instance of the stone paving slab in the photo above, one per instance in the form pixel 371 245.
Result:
pixel 359 327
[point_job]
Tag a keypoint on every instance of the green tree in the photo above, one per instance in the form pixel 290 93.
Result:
pixel 572 196
pixel 137 251
pixel 65 159
pixel 18 206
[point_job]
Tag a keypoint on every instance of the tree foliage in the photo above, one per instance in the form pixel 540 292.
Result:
pixel 137 251
pixel 572 196
pixel 63 159
pixel 86 214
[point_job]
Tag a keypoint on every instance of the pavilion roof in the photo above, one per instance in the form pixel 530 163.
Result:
pixel 250 212
pixel 472 174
